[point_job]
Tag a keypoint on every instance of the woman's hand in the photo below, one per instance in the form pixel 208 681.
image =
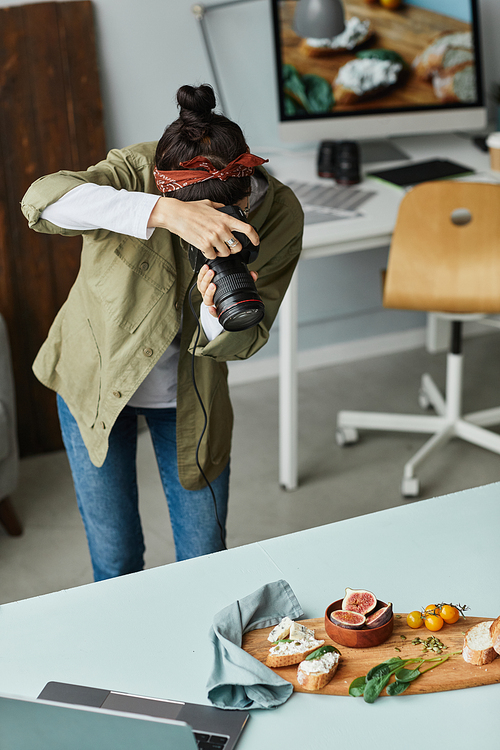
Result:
pixel 201 225
pixel 207 288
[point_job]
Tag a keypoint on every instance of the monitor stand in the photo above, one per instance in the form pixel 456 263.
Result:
pixel 379 151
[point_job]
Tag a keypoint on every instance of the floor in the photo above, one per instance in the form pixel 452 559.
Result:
pixel 335 483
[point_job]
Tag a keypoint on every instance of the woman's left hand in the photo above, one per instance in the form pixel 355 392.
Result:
pixel 207 288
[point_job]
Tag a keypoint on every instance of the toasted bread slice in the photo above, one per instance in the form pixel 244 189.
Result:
pixel 356 81
pixel 495 634
pixel 315 674
pixel 456 84
pixel 356 33
pixel 434 56
pixel 287 654
pixel 478 648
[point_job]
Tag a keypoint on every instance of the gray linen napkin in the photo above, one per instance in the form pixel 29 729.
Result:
pixel 238 680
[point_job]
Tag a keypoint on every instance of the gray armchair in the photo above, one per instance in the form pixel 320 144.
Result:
pixel 9 457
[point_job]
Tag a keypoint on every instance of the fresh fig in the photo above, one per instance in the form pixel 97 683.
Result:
pixel 379 617
pixel 347 619
pixel 359 600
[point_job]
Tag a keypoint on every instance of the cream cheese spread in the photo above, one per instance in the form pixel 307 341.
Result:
pixel 295 647
pixel 355 31
pixel 367 74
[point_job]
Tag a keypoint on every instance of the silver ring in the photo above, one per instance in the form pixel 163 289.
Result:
pixel 230 242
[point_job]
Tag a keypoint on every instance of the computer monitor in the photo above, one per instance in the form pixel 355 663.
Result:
pixel 411 69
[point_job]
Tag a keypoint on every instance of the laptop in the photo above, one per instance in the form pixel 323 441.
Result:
pixel 83 718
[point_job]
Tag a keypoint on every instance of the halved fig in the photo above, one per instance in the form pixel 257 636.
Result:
pixel 347 619
pixel 359 600
pixel 379 617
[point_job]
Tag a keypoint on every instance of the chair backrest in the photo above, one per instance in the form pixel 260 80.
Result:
pixel 445 250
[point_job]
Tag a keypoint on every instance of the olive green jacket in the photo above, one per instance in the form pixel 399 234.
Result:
pixel 125 308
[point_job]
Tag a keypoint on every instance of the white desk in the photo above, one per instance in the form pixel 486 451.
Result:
pixel 373 229
pixel 124 633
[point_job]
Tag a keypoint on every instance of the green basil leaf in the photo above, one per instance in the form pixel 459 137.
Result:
pixel 398 687
pixel 385 667
pixel 381 54
pixel 291 107
pixel 357 687
pixel 319 93
pixel 407 675
pixel 320 651
pixel 293 86
pixel 375 686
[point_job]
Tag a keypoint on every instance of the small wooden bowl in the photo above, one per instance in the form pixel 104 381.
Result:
pixel 357 637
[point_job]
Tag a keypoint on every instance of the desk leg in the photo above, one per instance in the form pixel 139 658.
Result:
pixel 288 397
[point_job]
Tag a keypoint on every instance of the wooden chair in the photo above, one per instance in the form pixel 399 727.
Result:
pixel 444 258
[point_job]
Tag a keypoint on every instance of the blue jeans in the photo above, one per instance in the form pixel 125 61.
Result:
pixel 108 496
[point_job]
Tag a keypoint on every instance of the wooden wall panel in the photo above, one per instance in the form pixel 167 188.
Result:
pixel 50 119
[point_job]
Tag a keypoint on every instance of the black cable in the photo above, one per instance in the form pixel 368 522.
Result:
pixel 193 376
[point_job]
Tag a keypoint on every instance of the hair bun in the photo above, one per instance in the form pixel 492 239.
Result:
pixel 196 104
pixel 199 100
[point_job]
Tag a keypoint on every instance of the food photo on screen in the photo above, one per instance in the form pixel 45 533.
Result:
pixel 392 56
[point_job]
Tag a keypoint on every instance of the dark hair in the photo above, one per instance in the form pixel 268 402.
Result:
pixel 200 132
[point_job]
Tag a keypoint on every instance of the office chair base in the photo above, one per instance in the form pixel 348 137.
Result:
pixel 446 424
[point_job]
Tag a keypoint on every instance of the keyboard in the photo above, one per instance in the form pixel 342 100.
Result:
pixel 210 741
pixel 329 202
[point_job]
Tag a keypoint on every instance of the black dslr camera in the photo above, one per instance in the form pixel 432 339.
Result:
pixel 236 299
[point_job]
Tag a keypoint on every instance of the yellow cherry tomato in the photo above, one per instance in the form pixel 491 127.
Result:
pixel 434 622
pixel 449 613
pixel 414 619
pixel 433 609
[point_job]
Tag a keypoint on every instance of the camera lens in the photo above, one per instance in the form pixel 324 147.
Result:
pixel 347 163
pixel 236 298
pixel 326 159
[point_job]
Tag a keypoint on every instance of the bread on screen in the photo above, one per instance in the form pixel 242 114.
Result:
pixel 456 83
pixel 356 33
pixel 446 50
pixel 365 78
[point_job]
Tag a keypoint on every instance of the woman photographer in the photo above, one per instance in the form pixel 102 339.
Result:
pixel 121 345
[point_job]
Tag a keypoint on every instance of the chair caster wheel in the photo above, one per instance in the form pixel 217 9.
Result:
pixel 410 487
pixel 346 436
pixel 423 400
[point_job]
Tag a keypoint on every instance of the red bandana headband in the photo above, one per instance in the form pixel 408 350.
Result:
pixel 202 169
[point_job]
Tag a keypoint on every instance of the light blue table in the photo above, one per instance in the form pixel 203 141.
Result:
pixel 147 633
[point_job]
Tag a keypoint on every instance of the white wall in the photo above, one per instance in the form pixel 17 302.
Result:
pixel 148 48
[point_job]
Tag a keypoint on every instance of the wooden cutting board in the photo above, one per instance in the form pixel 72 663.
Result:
pixel 454 674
